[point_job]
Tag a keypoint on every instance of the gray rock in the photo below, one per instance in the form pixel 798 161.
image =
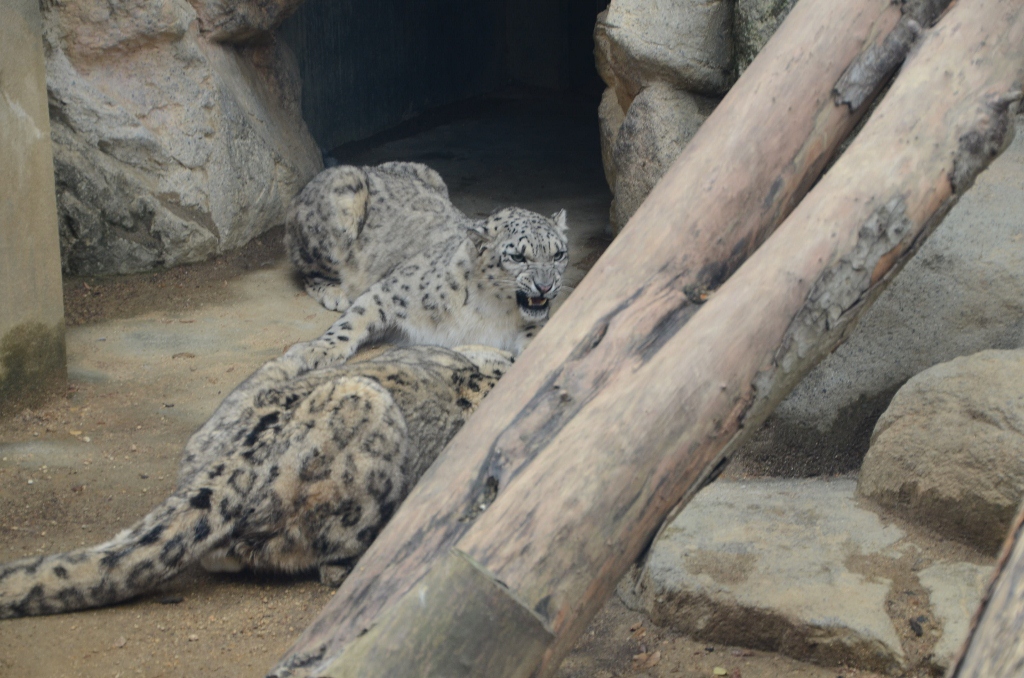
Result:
pixel 949 451
pixel 610 116
pixel 241 20
pixel 603 60
pixel 686 43
pixel 801 568
pixel 659 123
pixel 962 293
pixel 167 147
pixel 762 565
pixel 754 22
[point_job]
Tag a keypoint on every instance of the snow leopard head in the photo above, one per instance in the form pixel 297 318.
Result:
pixel 532 250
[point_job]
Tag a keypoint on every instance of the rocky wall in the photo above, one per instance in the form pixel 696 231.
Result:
pixel 176 128
pixel 666 66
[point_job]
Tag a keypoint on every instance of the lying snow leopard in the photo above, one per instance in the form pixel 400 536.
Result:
pixel 386 246
pixel 291 473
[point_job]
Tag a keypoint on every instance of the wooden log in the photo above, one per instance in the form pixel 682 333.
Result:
pixel 459 589
pixel 994 648
pixel 743 172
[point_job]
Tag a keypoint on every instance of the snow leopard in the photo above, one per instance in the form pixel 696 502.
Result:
pixel 385 246
pixel 293 472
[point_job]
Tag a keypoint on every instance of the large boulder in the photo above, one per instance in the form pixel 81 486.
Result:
pixel 660 122
pixel 664 62
pixel 949 450
pixel 963 292
pixel 686 43
pixel 170 145
pixel 233 21
pixel 610 117
pixel 754 23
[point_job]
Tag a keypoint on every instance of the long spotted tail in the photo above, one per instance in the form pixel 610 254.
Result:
pixel 172 536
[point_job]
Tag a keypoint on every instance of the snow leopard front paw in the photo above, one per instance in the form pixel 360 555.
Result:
pixel 305 357
pixel 333 574
pixel 329 296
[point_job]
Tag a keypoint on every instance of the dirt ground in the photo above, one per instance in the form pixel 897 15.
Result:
pixel 151 356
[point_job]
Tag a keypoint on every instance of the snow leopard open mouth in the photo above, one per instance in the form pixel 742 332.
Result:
pixel 534 307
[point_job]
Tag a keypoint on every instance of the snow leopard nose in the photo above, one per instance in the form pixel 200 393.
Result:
pixel 543 281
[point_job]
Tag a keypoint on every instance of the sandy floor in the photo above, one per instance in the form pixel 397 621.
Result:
pixel 152 355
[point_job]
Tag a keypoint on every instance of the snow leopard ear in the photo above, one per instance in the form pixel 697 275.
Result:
pixel 479 233
pixel 559 219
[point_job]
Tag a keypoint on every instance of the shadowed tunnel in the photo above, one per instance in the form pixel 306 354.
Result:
pixel 369 66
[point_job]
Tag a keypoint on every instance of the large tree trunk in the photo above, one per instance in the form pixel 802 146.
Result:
pixel 620 407
pixel 995 645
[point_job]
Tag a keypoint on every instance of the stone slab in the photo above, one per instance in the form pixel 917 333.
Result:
pixel 800 567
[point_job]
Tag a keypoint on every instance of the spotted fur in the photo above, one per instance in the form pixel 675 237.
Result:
pixel 386 246
pixel 294 472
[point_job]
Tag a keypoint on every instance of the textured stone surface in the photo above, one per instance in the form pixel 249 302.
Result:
pixel 661 61
pixel 657 58
pixel 168 145
pixel 801 567
pixel 755 21
pixel 949 450
pixel 610 116
pixel 659 123
pixel 963 292
pixel 235 21
pixel 687 43
pixel 762 565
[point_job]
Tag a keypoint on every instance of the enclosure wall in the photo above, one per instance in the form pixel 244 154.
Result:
pixel 32 353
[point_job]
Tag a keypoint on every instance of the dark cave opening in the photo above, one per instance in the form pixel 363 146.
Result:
pixel 367 67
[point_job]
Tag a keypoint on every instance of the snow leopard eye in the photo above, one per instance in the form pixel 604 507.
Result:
pixel 559 255
pixel 517 257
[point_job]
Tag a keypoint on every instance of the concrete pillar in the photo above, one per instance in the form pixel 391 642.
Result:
pixel 33 363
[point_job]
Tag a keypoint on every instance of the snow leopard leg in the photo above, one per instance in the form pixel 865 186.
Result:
pixel 221 560
pixel 371 314
pixel 321 229
pixel 526 336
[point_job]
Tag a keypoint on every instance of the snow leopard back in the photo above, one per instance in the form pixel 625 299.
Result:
pixel 351 226
pixel 293 472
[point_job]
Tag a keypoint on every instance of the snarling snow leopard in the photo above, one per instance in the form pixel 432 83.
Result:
pixel 386 246
pixel 293 472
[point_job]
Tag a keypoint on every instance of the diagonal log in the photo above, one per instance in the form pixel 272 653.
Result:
pixel 743 172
